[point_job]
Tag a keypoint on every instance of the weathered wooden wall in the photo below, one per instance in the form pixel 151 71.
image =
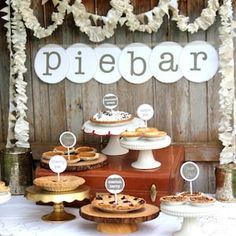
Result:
pixel 189 112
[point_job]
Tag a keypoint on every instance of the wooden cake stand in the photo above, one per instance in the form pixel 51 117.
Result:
pixel 81 165
pixel 37 194
pixel 116 223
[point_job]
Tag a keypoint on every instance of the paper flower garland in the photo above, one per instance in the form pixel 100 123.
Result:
pixel 121 12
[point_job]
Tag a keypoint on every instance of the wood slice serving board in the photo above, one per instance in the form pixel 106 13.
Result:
pixel 81 165
pixel 116 223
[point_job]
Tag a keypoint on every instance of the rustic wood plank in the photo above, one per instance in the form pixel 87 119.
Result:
pixel 180 103
pixel 198 93
pixel 39 88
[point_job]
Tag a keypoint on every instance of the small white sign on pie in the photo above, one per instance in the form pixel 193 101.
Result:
pixel 114 184
pixel 145 112
pixel 67 139
pixel 110 101
pixel 57 164
pixel 189 172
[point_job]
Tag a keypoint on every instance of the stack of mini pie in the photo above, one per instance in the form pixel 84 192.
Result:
pixel 147 133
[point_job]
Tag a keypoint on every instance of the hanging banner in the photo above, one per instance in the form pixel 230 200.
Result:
pixel 137 63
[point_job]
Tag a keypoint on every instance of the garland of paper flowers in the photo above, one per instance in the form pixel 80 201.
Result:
pixel 121 12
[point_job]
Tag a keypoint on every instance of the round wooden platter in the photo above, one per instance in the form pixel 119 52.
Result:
pixel 81 165
pixel 115 223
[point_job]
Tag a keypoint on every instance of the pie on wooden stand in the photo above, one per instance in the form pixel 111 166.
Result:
pixel 122 217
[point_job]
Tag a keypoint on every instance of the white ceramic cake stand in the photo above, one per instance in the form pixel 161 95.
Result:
pixel 146 159
pixel 113 147
pixel 190 226
pixel 4 197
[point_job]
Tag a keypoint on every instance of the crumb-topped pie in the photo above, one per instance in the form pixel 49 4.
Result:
pixel 65 183
pixel 125 203
pixel 48 155
pixel 111 117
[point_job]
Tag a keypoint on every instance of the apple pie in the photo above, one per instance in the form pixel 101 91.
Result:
pixel 65 183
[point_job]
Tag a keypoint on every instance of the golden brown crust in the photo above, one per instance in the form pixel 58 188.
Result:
pixel 66 183
pixel 50 154
pixel 125 203
pixel 202 200
pixel 63 149
pixel 72 158
pixel 146 129
pixel 93 120
pixel 88 156
pixel 174 199
pixel 85 149
pixel 154 134
pixel 131 134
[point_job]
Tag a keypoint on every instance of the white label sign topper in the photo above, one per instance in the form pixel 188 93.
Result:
pixel 145 112
pixel 110 101
pixel 67 139
pixel 114 184
pixel 57 164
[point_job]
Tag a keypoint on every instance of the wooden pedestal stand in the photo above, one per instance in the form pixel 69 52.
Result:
pixel 119 223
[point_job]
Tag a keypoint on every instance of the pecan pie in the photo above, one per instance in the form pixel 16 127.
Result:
pixel 174 199
pixel 201 200
pixel 125 203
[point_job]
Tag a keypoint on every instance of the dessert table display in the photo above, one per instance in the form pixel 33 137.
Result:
pixel 37 194
pixel 113 146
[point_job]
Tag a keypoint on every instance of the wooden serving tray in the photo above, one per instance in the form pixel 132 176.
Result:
pixel 81 165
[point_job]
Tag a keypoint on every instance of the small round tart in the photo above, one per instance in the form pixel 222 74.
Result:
pixel 146 129
pixel 131 135
pixel 111 117
pixel 154 135
pixel 189 194
pixel 66 183
pixel 125 203
pixel 64 149
pixel 4 189
pixel 173 200
pixel 2 184
pixel 50 154
pixel 71 159
pixel 88 156
pixel 202 200
pixel 85 149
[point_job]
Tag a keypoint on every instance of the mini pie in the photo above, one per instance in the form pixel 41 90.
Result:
pixel 146 129
pixel 174 199
pixel 125 203
pixel 66 183
pixel 72 158
pixel 131 134
pixel 201 200
pixel 85 149
pixel 50 154
pixel 189 194
pixel 88 156
pixel 154 134
pixel 63 149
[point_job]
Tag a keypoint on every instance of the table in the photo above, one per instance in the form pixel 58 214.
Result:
pixel 21 217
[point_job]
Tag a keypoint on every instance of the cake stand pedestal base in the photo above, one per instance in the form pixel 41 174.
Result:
pixel 112 228
pixel 191 227
pixel 58 214
pixel 113 147
pixel 146 160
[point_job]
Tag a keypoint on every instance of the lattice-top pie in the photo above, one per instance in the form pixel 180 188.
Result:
pixel 125 203
pixel 66 183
